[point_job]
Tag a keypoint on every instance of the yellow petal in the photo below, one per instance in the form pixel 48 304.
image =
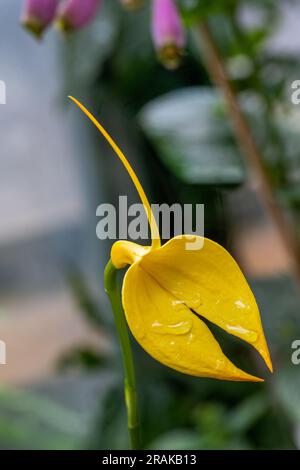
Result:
pixel 124 252
pixel 170 332
pixel 209 282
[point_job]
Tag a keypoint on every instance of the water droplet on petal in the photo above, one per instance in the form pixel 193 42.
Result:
pixel 181 328
pixel 195 303
pixel 248 335
pixel 240 304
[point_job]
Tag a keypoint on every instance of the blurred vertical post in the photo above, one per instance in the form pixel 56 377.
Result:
pixel 245 138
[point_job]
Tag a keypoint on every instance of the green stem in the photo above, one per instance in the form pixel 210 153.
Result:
pixel 112 290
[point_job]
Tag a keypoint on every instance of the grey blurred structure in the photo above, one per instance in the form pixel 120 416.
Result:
pixel 44 204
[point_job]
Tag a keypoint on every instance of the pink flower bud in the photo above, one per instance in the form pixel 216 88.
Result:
pixel 75 14
pixel 132 4
pixel 38 14
pixel 167 32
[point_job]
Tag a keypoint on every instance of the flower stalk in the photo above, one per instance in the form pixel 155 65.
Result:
pixel 112 290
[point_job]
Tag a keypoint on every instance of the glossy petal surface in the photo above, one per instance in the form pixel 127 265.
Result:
pixel 209 282
pixel 170 332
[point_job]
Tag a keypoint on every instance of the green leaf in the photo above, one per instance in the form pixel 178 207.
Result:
pixel 193 138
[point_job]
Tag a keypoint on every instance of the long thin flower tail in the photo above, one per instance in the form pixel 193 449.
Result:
pixel 156 243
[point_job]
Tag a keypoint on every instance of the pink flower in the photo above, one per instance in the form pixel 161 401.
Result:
pixel 167 32
pixel 38 15
pixel 75 14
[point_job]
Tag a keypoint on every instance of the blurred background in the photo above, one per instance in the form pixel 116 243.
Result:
pixel 62 385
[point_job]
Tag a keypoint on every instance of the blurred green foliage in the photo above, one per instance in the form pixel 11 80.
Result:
pixel 192 137
pixel 29 421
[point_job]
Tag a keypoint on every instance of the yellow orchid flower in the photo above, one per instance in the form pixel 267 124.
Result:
pixel 168 289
